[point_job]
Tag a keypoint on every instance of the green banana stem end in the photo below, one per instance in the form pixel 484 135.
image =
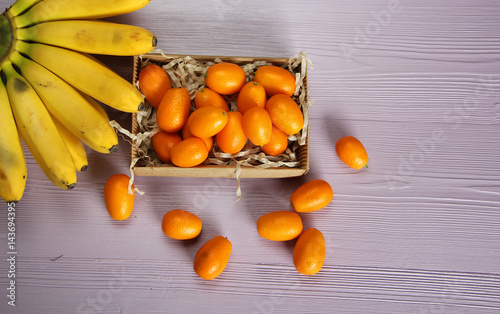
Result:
pixel 6 39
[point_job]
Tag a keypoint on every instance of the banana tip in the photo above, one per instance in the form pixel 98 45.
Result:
pixel 141 106
pixel 71 186
pixel 84 168
pixel 113 149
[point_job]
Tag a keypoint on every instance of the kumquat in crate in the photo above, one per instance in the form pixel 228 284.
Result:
pixel 226 85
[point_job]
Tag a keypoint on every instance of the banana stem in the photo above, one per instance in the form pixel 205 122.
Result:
pixel 6 40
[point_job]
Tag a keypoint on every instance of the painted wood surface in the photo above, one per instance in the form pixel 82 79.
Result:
pixel 417 82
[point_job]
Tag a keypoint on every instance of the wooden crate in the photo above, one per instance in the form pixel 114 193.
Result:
pixel 213 170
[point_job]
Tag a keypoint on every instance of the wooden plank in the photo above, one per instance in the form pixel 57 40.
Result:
pixel 417 232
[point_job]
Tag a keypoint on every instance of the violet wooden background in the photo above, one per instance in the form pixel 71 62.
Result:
pixel 417 232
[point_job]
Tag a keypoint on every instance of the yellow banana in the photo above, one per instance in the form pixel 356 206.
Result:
pixel 97 37
pixel 51 88
pixel 12 163
pixel 68 106
pixel 38 130
pixel 96 105
pixel 22 5
pixel 86 75
pixel 74 146
pixel 53 10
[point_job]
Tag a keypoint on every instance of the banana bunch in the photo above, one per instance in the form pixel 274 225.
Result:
pixel 50 83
